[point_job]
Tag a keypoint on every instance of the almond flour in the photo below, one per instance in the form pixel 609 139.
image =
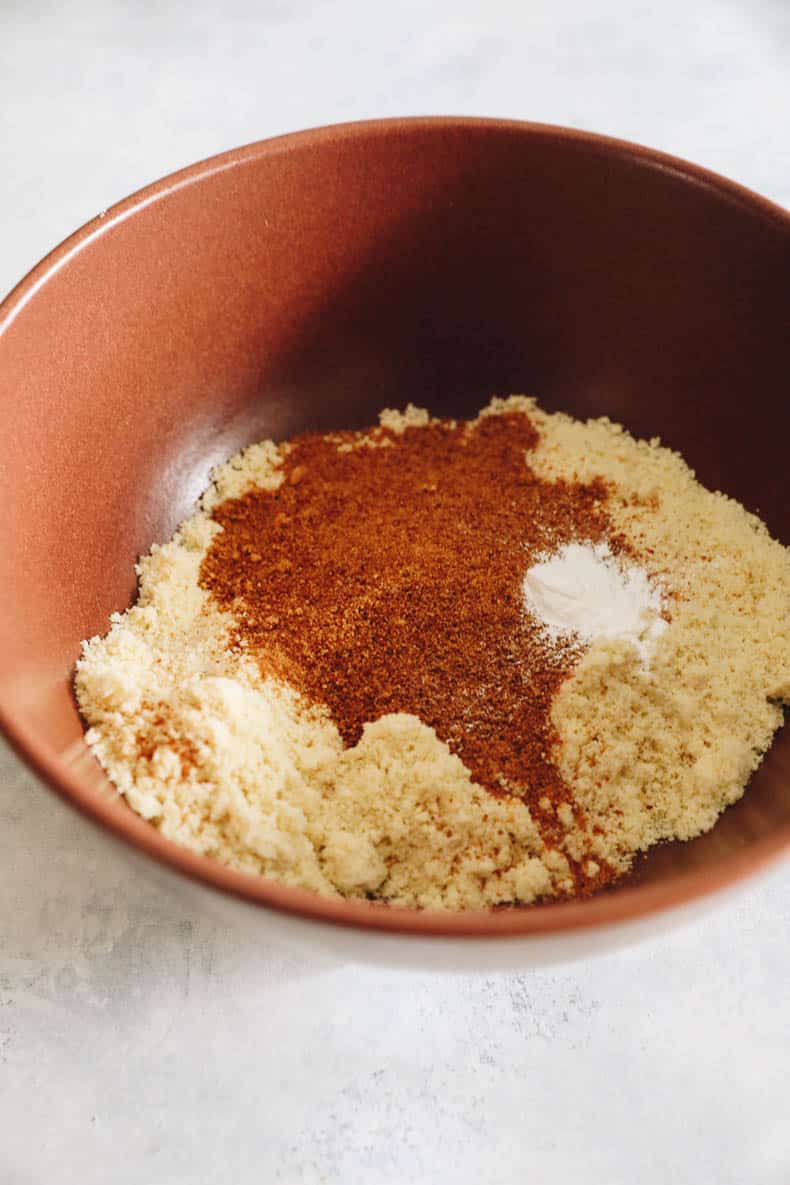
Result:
pixel 382 714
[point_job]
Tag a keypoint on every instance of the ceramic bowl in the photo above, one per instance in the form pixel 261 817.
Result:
pixel 306 282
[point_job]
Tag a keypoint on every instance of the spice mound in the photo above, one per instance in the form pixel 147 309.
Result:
pixel 446 663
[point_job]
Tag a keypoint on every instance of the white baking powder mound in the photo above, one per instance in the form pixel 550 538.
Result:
pixel 585 591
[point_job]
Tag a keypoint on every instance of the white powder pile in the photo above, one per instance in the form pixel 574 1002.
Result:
pixel 586 592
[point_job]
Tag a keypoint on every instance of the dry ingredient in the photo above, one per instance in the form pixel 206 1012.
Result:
pixel 386 663
pixel 389 580
pixel 585 592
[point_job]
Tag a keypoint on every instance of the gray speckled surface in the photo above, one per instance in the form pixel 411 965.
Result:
pixel 139 1040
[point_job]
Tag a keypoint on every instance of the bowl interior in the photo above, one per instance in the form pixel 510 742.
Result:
pixel 308 282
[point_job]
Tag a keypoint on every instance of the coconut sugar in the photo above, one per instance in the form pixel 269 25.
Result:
pixel 446 664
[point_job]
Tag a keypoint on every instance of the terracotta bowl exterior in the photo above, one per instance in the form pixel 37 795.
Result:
pixel 308 281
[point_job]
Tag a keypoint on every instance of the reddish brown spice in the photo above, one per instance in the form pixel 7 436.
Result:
pixel 388 579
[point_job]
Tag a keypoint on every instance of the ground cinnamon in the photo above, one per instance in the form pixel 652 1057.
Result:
pixel 388 579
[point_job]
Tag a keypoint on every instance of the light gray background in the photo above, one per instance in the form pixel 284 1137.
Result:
pixel 140 1041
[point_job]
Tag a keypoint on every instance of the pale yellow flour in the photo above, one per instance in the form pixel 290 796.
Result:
pixel 242 769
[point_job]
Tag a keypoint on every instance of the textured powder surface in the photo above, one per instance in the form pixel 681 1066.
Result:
pixel 387 579
pixel 238 764
pixel 661 757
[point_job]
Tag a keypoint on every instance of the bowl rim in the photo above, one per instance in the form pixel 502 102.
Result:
pixel 628 903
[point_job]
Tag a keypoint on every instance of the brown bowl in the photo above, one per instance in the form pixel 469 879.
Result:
pixel 309 281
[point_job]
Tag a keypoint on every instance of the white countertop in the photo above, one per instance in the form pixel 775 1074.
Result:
pixel 141 1042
